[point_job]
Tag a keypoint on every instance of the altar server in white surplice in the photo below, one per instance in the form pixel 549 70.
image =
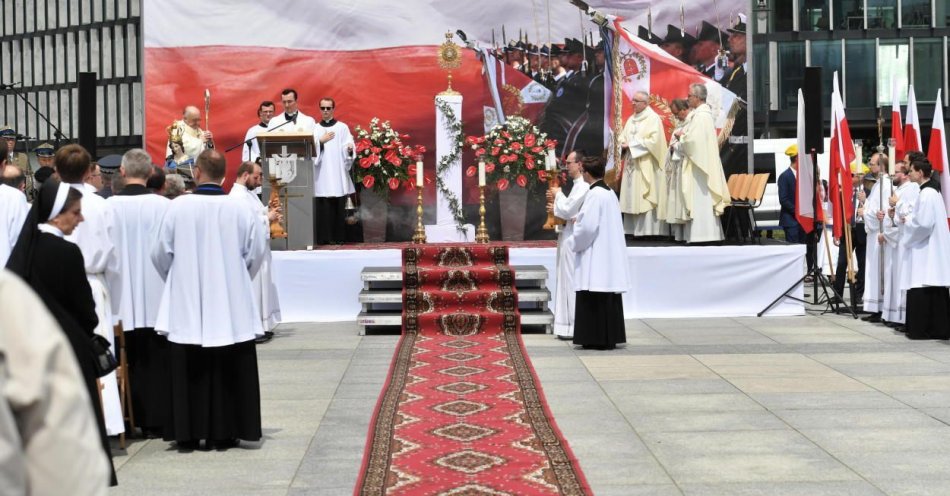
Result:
pixel 567 207
pixel 13 208
pixel 208 249
pixel 331 176
pixel 704 182
pixel 600 274
pixel 95 236
pixel 927 238
pixel 265 292
pixel 251 151
pixel 875 208
pixel 138 212
pixel 893 309
pixel 299 122
pixel 643 190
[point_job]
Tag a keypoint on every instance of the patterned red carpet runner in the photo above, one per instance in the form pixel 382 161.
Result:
pixel 462 412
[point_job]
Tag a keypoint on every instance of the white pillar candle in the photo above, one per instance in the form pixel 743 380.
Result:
pixel 481 173
pixel 419 173
pixel 549 161
pixel 891 159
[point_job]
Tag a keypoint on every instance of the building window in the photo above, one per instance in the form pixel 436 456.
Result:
pixel 928 68
pixel 760 54
pixel 859 81
pixel 915 13
pixel 894 59
pixel 791 71
pixel 827 55
pixel 782 17
pixel 882 14
pixel 813 15
pixel 849 14
pixel 942 16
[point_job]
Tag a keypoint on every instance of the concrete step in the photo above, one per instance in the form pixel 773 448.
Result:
pixel 533 295
pixel 394 318
pixel 383 274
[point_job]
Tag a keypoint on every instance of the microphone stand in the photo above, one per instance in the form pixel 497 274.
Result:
pixel 57 133
pixel 248 141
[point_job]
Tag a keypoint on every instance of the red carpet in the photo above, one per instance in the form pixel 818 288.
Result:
pixel 462 412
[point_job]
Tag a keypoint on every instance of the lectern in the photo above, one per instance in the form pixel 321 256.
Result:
pixel 288 163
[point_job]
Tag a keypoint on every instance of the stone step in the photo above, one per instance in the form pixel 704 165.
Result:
pixel 384 274
pixel 533 295
pixel 394 318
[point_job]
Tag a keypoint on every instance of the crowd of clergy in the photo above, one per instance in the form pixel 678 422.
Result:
pixel 186 283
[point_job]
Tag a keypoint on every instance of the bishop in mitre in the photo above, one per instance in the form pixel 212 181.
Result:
pixel 704 182
pixel 643 186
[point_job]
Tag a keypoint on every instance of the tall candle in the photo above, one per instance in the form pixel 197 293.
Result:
pixel 419 173
pixel 891 159
pixel 549 160
pixel 481 172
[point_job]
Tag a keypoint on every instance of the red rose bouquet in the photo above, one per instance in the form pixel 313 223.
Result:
pixel 384 162
pixel 513 153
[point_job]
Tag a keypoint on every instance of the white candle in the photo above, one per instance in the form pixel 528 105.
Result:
pixel 419 173
pixel 481 173
pixel 549 160
pixel 891 159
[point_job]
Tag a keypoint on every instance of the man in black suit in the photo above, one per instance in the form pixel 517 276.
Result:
pixel 786 196
pixel 862 188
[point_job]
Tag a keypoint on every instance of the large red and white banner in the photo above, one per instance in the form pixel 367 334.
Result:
pixel 375 58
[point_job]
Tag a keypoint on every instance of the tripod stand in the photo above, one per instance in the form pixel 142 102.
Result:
pixel 818 278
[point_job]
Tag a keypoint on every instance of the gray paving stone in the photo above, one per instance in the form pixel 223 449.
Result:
pixel 825 488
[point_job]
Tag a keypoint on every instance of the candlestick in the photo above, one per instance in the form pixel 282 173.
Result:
pixel 419 174
pixel 552 220
pixel 420 235
pixel 481 234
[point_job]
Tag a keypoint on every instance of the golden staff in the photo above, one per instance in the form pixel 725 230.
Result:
pixel 208 114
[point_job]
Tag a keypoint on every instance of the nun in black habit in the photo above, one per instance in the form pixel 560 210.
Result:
pixel 54 268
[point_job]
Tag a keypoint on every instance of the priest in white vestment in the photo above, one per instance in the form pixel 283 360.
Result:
pixel 643 186
pixel 875 209
pixel 249 177
pixel 704 182
pixel 567 207
pixel 138 212
pixel 600 274
pixel 298 121
pixel 193 140
pixel 13 209
pixel 676 214
pixel 893 309
pixel 927 238
pixel 251 151
pixel 331 177
pixel 95 236
pixel 208 249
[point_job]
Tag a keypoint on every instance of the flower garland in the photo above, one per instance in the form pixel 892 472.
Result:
pixel 454 126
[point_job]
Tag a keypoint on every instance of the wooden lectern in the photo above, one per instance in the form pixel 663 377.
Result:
pixel 288 159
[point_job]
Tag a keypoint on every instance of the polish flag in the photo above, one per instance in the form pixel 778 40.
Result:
pixel 805 179
pixel 896 126
pixel 912 142
pixel 842 154
pixel 937 153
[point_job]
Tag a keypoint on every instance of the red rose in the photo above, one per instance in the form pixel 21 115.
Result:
pixel 516 146
pixel 495 150
pixel 506 134
pixel 530 140
pixel 536 149
pixel 409 184
pixel 471 171
pixel 504 159
pixel 420 150
pixel 512 157
pixel 368 182
pixel 470 140
pixel 367 162
pixel 490 167
pixel 393 157
pixel 393 183
pixel 529 162
pixel 363 144
pixel 479 152
pixel 376 149
pixel 542 175
pixel 521 180
pixel 411 169
pixel 502 184
pixel 499 141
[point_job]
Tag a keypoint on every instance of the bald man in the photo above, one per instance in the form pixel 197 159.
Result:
pixel 194 140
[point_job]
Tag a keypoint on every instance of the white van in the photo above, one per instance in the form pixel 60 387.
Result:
pixel 770 157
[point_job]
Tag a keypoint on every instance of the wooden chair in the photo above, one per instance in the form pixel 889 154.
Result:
pixel 747 195
pixel 122 377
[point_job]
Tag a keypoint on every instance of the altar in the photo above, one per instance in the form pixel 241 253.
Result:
pixel 666 281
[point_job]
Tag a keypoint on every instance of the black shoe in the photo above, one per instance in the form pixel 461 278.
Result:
pixel 268 335
pixel 873 318
pixel 891 324
pixel 900 328
pixel 186 445
pixel 221 444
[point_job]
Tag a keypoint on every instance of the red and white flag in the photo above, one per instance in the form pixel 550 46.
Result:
pixel 805 179
pixel 937 151
pixel 912 142
pixel 897 129
pixel 842 154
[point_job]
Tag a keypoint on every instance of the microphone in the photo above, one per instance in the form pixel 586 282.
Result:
pixel 8 86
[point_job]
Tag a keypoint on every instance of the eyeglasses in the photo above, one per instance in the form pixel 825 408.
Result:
pixel 326 108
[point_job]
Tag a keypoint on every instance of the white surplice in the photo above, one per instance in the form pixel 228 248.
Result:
pixel 331 172
pixel 566 207
pixel 138 218
pixel 94 236
pixel 598 241
pixel 252 149
pixel 927 238
pixel 13 210
pixel 893 308
pixel 303 123
pixel 873 296
pixel 208 248
pixel 265 291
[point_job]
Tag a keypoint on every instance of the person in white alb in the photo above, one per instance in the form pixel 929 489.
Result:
pixel 249 177
pixel 893 309
pixel 251 151
pixel 138 213
pixel 13 206
pixel 208 248
pixel 331 176
pixel 95 238
pixel 567 207
pixel 298 121
pixel 875 208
